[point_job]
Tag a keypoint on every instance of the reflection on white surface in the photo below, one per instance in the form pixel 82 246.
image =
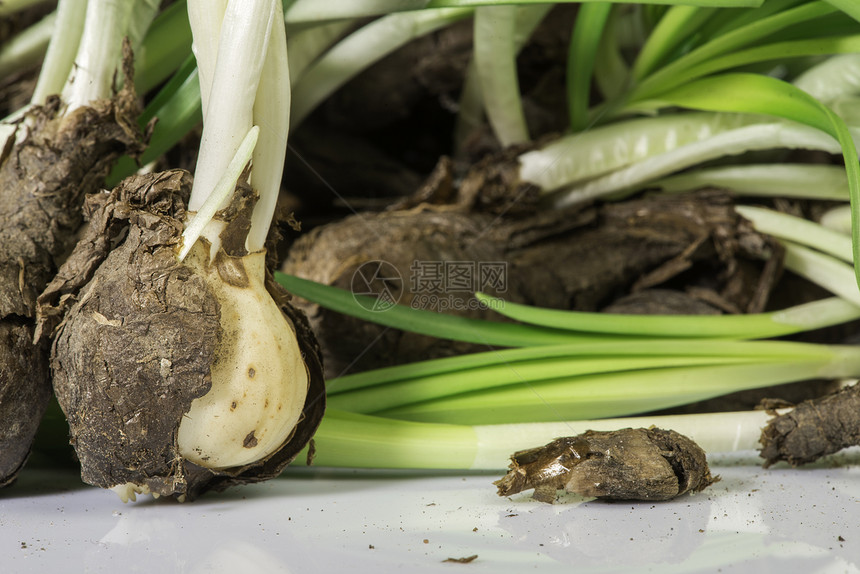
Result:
pixel 136 528
pixel 753 521
pixel 239 556
pixel 212 551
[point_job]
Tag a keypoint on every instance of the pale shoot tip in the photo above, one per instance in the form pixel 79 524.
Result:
pixel 220 193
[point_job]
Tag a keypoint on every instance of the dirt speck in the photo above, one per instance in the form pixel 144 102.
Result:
pixel 464 560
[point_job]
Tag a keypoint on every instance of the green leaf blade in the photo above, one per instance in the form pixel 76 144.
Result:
pixel 427 322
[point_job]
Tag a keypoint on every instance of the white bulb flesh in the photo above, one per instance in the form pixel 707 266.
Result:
pixel 259 380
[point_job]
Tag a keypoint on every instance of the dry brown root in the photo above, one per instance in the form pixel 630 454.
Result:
pixel 43 180
pixel 139 335
pixel 336 255
pixel 580 260
pixel 813 429
pixel 627 464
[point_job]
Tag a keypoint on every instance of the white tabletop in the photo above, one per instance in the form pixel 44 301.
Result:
pixel 329 520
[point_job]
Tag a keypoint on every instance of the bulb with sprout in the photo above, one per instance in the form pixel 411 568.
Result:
pixel 180 365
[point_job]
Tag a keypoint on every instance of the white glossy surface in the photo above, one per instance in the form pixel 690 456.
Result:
pixel 323 520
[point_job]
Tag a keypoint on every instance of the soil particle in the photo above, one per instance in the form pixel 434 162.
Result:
pixel 108 377
pixel 43 179
pixel 627 464
pixel 250 440
pixel 813 429
pixel 464 560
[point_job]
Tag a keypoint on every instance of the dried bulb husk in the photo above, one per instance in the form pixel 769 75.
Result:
pixel 626 464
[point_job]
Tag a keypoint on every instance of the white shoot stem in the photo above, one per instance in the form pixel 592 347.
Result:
pixel 27 48
pixel 838 219
pixel 818 314
pixel 350 440
pixel 797 229
pixel 598 151
pixel 471 105
pixel 312 11
pixel 834 78
pixel 527 19
pixel 470 109
pixel 223 190
pixel 259 380
pixel 756 137
pixel 206 19
pixel 306 45
pixel 802 181
pixel 242 46
pixel 305 11
pixel 61 50
pixel 495 62
pixel 361 49
pixel 143 12
pixel 847 108
pixel 714 432
pixel 272 114
pixel 104 28
pixel 823 270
